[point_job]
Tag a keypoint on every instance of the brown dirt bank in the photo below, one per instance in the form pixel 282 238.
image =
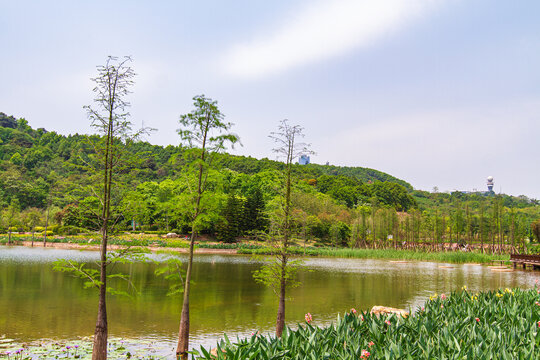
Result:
pixel 116 247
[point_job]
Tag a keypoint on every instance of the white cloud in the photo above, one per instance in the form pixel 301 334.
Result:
pixel 324 30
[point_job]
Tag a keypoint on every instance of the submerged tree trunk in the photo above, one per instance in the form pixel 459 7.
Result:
pixel 280 319
pixel 183 332
pixel 99 351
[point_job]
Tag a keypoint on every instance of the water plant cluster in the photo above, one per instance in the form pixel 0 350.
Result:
pixel 503 324
pixel 79 349
pixel 456 257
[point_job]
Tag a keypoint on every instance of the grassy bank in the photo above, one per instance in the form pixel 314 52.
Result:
pixel 457 257
pixel 128 240
pixel 504 324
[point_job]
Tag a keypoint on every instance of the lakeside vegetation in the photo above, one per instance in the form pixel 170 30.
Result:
pixel 501 324
pixel 261 248
pixel 456 257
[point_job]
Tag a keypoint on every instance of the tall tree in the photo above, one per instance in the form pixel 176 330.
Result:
pixel 203 132
pixel 281 272
pixel 253 212
pixel 31 217
pixel 535 228
pixel 11 214
pixel 231 224
pixel 110 119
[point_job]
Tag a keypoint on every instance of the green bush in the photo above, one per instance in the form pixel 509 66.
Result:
pixel 70 230
pixel 502 324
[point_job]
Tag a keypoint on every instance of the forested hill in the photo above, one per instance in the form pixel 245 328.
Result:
pixel 250 165
pixel 43 175
pixel 30 159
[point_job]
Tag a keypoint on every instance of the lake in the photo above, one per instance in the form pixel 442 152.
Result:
pixel 39 303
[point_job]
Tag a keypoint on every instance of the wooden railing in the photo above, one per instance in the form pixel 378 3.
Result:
pixel 531 259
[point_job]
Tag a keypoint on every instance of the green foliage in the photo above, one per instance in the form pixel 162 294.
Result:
pixel 205 127
pixel 171 270
pixel 273 271
pixel 232 221
pixel 500 324
pixel 456 257
pixel 51 170
pixel 16 159
pixel 90 273
pixel 535 227
pixel 7 121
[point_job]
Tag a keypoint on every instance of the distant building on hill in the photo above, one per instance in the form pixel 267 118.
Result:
pixel 303 160
pixel 490 184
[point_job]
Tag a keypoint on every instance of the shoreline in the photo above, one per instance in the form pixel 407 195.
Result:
pixel 397 256
pixel 75 246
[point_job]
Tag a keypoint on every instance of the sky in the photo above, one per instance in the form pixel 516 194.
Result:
pixel 440 93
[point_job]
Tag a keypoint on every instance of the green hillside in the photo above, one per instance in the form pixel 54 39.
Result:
pixel 44 172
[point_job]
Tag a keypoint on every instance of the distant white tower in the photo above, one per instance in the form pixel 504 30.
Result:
pixel 490 183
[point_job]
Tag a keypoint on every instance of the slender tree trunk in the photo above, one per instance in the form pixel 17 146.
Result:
pixel 183 333
pixel 280 319
pixel 99 351
pixel 304 233
pixel 46 226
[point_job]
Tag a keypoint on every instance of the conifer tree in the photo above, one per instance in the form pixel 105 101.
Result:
pixel 204 133
pixel 280 272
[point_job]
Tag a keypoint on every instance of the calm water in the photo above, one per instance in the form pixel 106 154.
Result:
pixel 39 303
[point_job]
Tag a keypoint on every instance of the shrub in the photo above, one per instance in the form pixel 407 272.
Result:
pixel 70 230
pixel 502 324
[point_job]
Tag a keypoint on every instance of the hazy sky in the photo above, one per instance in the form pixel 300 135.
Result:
pixel 438 93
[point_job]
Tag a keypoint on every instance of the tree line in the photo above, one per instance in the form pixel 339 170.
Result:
pixel 333 209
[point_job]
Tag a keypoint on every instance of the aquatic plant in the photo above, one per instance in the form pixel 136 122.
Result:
pixel 503 324
pixel 457 257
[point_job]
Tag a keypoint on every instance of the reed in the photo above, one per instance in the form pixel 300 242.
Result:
pixel 456 257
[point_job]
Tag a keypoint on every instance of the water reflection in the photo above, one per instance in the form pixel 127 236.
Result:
pixel 40 303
